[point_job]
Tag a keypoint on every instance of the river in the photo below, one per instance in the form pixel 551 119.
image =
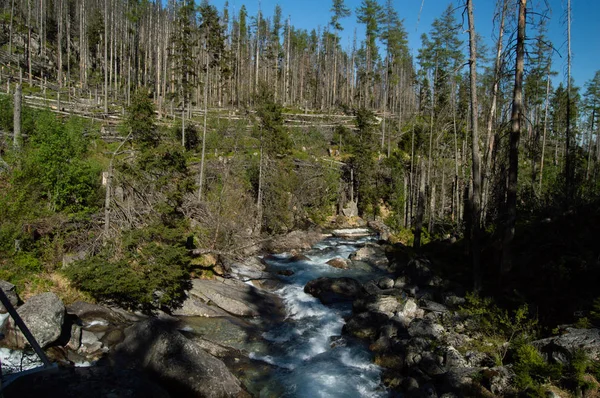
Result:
pixel 310 357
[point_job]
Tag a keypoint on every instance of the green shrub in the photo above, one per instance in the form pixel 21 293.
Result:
pixel 148 269
pixel 499 328
pixel 531 371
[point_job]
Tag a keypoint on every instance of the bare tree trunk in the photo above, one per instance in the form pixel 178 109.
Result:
pixel 60 39
pixel 29 27
pixel 257 49
pixel 201 182
pixel 456 189
pixel 545 128
pixel 515 133
pixel 108 194
pixel 17 117
pixel 259 196
pixel 10 28
pixel 492 115
pixel 590 143
pixel 420 210
pixel 475 156
pixel 105 56
pixel 568 155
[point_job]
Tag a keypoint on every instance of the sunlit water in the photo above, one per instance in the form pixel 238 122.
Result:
pixel 308 363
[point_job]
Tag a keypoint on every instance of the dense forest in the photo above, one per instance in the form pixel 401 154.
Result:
pixel 143 140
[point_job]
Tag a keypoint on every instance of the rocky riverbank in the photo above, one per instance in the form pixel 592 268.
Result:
pixel 210 347
pixel 415 324
pixel 101 348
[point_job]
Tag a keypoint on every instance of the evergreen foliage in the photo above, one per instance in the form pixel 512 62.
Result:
pixel 148 269
pixel 140 119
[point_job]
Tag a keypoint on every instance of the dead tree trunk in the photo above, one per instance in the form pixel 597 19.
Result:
pixel 420 210
pixel 108 195
pixel 476 191
pixel 513 156
pixel 17 117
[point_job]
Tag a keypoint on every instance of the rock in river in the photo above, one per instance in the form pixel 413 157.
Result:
pixel 331 290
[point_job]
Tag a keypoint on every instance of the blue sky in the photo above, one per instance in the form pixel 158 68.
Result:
pixel 585 27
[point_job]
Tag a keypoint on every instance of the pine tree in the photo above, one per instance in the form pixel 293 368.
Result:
pixel 370 13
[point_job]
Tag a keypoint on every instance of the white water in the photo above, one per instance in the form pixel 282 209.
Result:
pixel 308 364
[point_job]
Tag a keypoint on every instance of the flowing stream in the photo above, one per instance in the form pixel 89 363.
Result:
pixel 310 357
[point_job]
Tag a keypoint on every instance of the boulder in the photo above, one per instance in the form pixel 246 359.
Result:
pixel 372 289
pixel 410 385
pixel 285 272
pixel 365 325
pixel 298 257
pixel 372 254
pixel 432 306
pixel 193 306
pixel 338 262
pixel 236 297
pixel 178 363
pixel 44 315
pixel 454 359
pixel 418 271
pixel 477 359
pixel 382 230
pixel 400 282
pixel 425 328
pixel 251 269
pixel 409 309
pixel 385 304
pixel 498 379
pixel 360 265
pixel 331 290
pixel 90 347
pixel 385 282
pixel 381 345
pixel 75 337
pixel 460 379
pixel 11 293
pixel 350 210
pixel 431 364
pixel 561 348
pixel 295 240
pixel 428 391
pixel 452 300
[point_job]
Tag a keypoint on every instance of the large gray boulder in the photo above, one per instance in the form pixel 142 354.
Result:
pixel 44 315
pixel 418 271
pixel 332 290
pixel 561 348
pixel 379 226
pixel 11 293
pixel 425 328
pixel 372 254
pixel 180 364
pixel 338 262
pixel 365 325
pixel 295 240
pixel 236 297
pixel 194 306
pixel 499 380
